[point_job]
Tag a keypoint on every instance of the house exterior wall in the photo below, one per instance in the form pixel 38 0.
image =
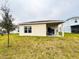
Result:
pixel 37 30
pixel 68 24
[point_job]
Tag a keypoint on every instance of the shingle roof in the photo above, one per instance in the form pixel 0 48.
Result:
pixel 42 22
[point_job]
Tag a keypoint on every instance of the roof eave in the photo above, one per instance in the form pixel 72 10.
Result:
pixel 41 23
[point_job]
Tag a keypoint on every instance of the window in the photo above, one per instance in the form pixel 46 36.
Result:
pixel 75 20
pixel 18 30
pixel 27 29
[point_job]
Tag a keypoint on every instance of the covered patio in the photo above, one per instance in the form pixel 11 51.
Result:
pixel 54 29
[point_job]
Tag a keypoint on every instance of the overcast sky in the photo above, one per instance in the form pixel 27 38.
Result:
pixel 33 10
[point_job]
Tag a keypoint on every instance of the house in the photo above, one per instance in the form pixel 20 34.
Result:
pixel 16 31
pixel 71 25
pixel 41 28
pixel 2 31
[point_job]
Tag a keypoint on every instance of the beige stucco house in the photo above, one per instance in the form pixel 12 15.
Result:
pixel 41 28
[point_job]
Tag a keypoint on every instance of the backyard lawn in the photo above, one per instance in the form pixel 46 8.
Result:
pixel 40 47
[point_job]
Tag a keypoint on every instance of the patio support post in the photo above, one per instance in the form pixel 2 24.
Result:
pixel 57 30
pixel 62 30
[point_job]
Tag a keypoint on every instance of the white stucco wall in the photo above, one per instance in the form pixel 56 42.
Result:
pixel 37 30
pixel 68 24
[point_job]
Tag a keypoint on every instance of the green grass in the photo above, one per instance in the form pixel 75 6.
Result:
pixel 40 47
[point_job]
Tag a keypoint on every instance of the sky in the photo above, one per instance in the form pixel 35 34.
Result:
pixel 34 10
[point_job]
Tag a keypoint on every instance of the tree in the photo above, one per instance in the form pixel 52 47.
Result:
pixel 6 23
